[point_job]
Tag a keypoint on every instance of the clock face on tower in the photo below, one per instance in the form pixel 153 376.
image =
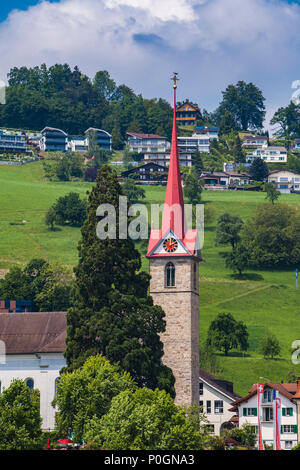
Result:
pixel 170 245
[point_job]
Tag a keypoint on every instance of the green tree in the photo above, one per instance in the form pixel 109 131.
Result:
pixel 227 123
pixel 225 333
pixel 270 346
pixel 192 187
pixel 50 218
pixel 271 236
pixel 97 155
pixel 86 393
pixel 47 285
pixel 70 209
pixel 244 436
pixel 238 260
pixel 209 360
pixel 259 170
pixel 146 420
pixel 272 193
pixel 112 313
pixel 246 103
pixel 287 121
pixel 62 169
pixel 116 136
pixel 197 163
pixel 20 420
pixel 228 229
pixel 56 289
pixel 239 156
pixel 133 191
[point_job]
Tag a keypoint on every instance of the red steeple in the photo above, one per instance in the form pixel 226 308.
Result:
pixel 173 214
pixel 173 218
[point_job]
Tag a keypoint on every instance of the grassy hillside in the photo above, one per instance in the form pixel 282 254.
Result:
pixel 267 301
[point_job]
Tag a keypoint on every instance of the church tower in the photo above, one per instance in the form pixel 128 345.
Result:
pixel 174 256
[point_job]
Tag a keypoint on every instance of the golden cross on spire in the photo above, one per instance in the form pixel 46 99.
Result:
pixel 175 79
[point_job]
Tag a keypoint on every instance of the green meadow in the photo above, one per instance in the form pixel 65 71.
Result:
pixel 267 301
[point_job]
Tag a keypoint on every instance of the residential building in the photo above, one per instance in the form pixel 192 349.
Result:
pixel 14 142
pixel 57 140
pixel 187 114
pixel 232 166
pixel 248 412
pixel 255 141
pixel 53 140
pixel 296 146
pixel 34 346
pixel 272 154
pixel 103 138
pixel 210 131
pixel 77 144
pixel 215 398
pixel 15 306
pixel 147 143
pixel 285 179
pixel 196 142
pixel 149 172
pixel 163 158
pixel 225 180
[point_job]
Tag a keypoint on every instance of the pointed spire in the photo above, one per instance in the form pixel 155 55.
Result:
pixel 173 214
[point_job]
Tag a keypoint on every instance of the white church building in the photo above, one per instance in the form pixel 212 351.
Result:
pixel 32 350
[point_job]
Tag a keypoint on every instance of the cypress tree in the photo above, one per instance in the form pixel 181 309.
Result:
pixel 112 313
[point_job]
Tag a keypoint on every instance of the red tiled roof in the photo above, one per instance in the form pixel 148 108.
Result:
pixel 287 390
pixel 29 333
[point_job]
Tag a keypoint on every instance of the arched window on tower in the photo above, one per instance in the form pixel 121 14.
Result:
pixel 170 275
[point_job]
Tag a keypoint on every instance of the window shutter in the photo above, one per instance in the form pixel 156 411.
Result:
pixel 283 411
pixel 244 411
pixel 255 411
pixel 291 411
pixel 295 428
pixel 281 429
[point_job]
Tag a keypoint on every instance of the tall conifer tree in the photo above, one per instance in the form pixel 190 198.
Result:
pixel 112 313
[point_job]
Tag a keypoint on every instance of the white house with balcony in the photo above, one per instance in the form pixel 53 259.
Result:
pixel 145 143
pixel 215 398
pixel 255 141
pixel 272 154
pixel 248 412
pixel 285 180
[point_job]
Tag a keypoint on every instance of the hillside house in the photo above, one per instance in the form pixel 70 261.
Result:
pixel 248 412
pixel 272 154
pixel 187 114
pixel 285 179
pixel 215 398
pixel 147 143
pixel 163 158
pixel 150 172
pixel 255 141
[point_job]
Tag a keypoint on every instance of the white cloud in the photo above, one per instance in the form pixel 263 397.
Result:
pixel 211 43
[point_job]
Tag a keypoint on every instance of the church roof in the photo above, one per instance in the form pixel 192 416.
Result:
pixel 173 218
pixel 30 333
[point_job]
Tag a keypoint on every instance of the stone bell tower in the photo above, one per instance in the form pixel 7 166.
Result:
pixel 174 256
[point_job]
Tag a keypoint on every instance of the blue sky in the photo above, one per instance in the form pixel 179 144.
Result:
pixel 210 43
